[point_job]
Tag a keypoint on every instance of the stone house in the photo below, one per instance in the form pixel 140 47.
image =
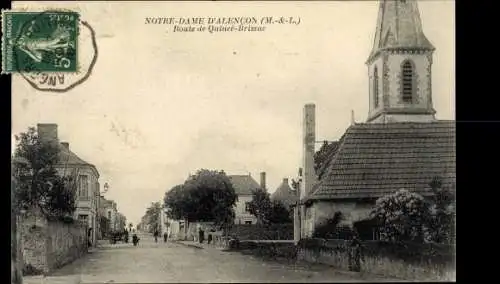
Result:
pixel 401 145
pixel 88 188
pixel 109 210
pixel 244 186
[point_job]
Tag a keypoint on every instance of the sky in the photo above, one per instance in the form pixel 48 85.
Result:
pixel 160 105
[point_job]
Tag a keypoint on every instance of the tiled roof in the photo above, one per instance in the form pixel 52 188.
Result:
pixel 285 194
pixel 377 159
pixel 70 158
pixel 67 157
pixel 243 184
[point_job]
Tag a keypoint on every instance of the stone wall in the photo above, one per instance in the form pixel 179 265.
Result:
pixel 50 244
pixel 438 265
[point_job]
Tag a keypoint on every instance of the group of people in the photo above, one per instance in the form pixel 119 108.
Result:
pixel 156 234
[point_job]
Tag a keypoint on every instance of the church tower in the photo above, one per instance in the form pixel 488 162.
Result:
pixel 399 66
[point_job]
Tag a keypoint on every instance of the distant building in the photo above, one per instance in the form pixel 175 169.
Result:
pixel 109 210
pixel 285 194
pixel 87 199
pixel 244 186
pixel 401 145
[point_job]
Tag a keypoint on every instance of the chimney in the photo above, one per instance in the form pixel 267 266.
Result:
pixel 47 131
pixel 309 140
pixel 263 180
pixel 65 145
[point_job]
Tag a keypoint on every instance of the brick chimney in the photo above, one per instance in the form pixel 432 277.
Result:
pixel 309 140
pixel 263 180
pixel 65 145
pixel 47 132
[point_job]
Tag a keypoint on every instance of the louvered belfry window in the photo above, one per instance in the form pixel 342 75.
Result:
pixel 375 86
pixel 407 82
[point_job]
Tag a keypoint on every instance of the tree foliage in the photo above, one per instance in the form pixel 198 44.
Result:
pixel 207 196
pixel 440 224
pixel 152 216
pixel 267 211
pixel 321 157
pixel 279 214
pixel 328 228
pixel 408 216
pixel 402 215
pixel 38 184
pixel 261 205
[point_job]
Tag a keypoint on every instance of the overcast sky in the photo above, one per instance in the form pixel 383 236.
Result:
pixel 160 105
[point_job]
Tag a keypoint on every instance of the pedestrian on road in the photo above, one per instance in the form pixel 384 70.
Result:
pixel 89 237
pixel 156 235
pixel 201 235
pixel 355 255
pixel 165 237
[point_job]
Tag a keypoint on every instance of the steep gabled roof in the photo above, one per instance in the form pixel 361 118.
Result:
pixel 68 158
pixel 243 184
pixel 399 26
pixel 285 194
pixel 373 160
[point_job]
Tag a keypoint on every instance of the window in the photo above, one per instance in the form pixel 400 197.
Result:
pixel 83 186
pixel 375 86
pixel 109 215
pixel 83 217
pixel 407 81
pixel 247 206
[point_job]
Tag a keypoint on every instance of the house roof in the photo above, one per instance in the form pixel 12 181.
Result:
pixel 243 184
pixel 67 157
pixel 373 160
pixel 285 194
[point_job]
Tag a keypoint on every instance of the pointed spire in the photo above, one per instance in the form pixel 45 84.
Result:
pixel 399 26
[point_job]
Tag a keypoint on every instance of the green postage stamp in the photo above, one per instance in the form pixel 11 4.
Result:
pixel 39 41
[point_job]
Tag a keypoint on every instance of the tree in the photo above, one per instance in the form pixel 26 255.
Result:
pixel 206 196
pixel 279 214
pixel 440 224
pixel 261 205
pixel 39 185
pixel 176 201
pixel 402 215
pixel 267 211
pixel 328 229
pixel 152 216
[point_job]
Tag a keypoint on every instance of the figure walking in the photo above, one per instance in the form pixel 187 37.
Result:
pixel 355 255
pixel 156 235
pixel 165 237
pixel 201 235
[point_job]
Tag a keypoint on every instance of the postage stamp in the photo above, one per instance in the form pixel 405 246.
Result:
pixel 41 41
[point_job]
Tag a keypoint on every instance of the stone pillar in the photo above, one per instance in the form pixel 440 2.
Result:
pixel 296 223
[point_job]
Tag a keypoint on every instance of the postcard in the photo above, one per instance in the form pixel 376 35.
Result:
pixel 232 141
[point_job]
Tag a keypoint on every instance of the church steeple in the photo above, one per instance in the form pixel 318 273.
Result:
pixel 399 66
